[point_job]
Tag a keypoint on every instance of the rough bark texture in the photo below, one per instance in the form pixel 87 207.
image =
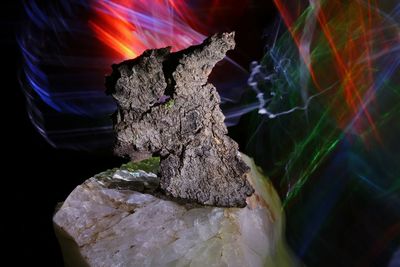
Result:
pixel 167 108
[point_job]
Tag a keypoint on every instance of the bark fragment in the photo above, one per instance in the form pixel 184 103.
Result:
pixel 166 108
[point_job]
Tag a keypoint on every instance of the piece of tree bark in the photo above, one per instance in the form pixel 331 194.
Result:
pixel 166 108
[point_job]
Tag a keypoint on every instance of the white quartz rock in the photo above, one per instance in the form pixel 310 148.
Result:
pixel 99 225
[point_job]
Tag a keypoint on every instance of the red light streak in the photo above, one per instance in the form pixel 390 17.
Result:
pixel 348 33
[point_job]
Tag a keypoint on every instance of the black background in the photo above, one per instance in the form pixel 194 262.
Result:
pixel 40 176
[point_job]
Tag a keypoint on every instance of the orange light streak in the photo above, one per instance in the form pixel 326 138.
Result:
pixel 355 78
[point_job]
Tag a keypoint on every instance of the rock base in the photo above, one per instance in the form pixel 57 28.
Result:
pixel 104 222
